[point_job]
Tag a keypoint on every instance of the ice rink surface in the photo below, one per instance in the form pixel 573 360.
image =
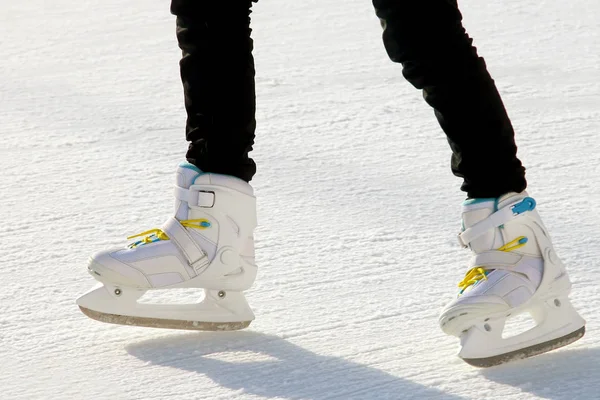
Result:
pixel 358 209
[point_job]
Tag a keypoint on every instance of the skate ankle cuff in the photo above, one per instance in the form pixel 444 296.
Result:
pixel 195 196
pixel 498 218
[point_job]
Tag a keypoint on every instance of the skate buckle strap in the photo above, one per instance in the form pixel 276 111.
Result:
pixel 179 235
pixel 487 261
pixel 495 259
pixel 195 196
pixel 498 218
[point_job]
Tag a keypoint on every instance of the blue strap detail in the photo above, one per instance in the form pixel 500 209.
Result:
pixel 527 204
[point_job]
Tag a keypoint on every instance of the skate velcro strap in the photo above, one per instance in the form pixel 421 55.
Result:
pixel 179 235
pixel 495 259
pixel 195 197
pixel 498 218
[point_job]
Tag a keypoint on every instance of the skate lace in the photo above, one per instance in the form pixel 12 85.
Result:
pixel 155 235
pixel 476 274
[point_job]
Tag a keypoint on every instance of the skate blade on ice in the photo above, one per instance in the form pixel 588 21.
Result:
pixel 558 324
pixel 528 351
pixel 219 311
pixel 164 323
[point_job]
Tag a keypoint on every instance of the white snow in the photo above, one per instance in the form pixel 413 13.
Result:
pixel 358 209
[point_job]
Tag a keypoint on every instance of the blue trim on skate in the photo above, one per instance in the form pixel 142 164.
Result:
pixel 469 202
pixel 496 201
pixel 153 239
pixel 185 164
pixel 188 165
pixel 527 204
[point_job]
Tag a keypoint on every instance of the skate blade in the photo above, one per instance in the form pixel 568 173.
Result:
pixel 528 351
pixel 164 323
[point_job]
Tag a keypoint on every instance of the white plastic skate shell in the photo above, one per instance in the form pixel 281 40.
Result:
pixel 208 245
pixel 481 332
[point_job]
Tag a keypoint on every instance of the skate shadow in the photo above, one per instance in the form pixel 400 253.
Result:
pixel 272 367
pixel 561 375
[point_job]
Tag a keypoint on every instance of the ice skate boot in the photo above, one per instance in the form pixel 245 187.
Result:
pixel 514 270
pixel 207 244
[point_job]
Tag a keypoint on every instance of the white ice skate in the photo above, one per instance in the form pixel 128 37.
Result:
pixel 207 244
pixel 514 270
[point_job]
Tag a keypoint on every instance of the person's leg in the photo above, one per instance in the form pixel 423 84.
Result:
pixel 217 71
pixel 514 268
pixel 208 243
pixel 437 55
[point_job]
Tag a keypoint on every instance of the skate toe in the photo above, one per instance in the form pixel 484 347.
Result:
pixel 461 314
pixel 104 267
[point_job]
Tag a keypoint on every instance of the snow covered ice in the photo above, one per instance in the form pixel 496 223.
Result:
pixel 356 258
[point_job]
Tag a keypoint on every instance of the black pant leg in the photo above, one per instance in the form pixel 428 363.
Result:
pixel 217 72
pixel 437 55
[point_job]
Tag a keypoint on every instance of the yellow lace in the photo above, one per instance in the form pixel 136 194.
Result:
pixel 476 274
pixel 472 276
pixel 155 235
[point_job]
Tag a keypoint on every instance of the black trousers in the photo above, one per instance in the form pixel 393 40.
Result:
pixel 425 36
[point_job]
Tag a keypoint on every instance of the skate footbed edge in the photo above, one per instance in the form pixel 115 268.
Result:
pixel 164 323
pixel 527 352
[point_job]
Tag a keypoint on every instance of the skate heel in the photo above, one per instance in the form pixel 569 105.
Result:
pixel 560 286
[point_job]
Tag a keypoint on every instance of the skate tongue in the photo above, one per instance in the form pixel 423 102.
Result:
pixel 185 176
pixel 475 210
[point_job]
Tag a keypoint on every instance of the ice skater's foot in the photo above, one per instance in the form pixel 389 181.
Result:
pixel 514 270
pixel 207 244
